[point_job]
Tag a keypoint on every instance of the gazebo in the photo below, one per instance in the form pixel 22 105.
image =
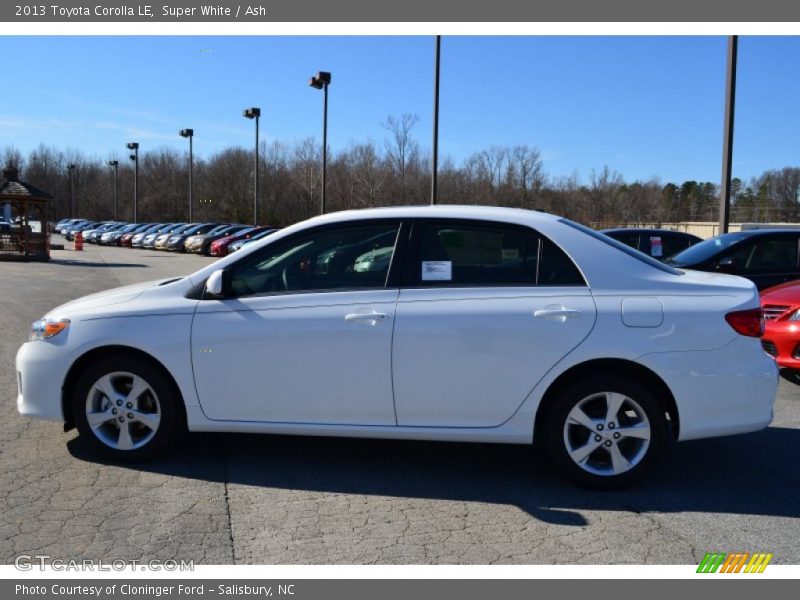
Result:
pixel 19 239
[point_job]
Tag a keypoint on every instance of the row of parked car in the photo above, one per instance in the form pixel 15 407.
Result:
pixel 210 239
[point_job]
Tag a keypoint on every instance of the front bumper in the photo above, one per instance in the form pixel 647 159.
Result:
pixel 41 371
pixel 782 341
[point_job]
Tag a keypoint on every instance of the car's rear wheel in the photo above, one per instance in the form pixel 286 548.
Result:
pixel 125 408
pixel 606 432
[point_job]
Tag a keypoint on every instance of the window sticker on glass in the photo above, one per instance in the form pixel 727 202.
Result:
pixel 510 254
pixel 437 270
pixel 656 247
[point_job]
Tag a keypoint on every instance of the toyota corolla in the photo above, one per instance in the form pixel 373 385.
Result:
pixel 471 324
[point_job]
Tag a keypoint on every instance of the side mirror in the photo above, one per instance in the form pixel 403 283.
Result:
pixel 215 284
pixel 727 264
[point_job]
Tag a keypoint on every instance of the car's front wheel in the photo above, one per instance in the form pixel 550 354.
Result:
pixel 792 375
pixel 125 408
pixel 606 432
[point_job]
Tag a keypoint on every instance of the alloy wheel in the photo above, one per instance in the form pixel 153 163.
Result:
pixel 607 433
pixel 123 411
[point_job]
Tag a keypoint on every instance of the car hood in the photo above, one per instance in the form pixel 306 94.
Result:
pixel 785 293
pixel 99 300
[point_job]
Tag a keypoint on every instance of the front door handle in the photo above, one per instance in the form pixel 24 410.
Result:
pixel 556 313
pixel 365 317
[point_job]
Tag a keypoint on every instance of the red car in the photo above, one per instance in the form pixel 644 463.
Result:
pixel 781 306
pixel 220 247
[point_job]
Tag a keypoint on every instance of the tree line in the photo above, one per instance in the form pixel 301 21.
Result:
pixel 393 172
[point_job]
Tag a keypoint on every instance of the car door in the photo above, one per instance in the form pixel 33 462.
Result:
pixel 485 311
pixel 766 260
pixel 301 335
pixel 775 260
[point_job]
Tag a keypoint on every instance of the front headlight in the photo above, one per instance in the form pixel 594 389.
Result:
pixel 47 328
pixel 795 316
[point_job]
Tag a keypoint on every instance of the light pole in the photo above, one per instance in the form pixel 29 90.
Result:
pixel 115 164
pixel 321 81
pixel 135 158
pixel 70 172
pixel 727 135
pixel 189 133
pixel 435 161
pixel 254 113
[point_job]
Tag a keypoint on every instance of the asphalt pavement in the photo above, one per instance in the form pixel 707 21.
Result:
pixel 223 498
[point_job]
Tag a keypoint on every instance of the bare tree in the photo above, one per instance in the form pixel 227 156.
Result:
pixel 526 171
pixel 401 145
pixel 306 172
pixel 368 175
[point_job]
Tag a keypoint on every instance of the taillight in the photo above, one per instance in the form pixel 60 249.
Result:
pixel 748 322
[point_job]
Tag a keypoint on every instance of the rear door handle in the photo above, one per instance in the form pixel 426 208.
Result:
pixel 365 317
pixel 560 313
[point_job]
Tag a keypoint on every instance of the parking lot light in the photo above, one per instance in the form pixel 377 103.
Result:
pixel 189 133
pixel 70 173
pixel 135 158
pixel 321 81
pixel 115 164
pixel 254 113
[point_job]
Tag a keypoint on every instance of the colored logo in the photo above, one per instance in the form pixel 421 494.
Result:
pixel 737 562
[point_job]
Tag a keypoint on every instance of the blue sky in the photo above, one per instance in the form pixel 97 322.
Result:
pixel 644 106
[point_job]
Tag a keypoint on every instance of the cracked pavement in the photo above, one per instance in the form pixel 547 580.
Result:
pixel 223 498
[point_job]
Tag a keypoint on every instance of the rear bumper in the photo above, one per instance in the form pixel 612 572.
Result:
pixel 719 392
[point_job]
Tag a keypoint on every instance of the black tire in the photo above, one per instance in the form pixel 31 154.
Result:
pixel 792 375
pixel 597 471
pixel 160 388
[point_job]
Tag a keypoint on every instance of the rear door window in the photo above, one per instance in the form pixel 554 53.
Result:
pixel 672 244
pixel 629 239
pixel 465 254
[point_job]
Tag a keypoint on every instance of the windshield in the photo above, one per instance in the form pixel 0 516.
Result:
pixel 197 228
pixel 245 231
pixel 233 229
pixel 706 249
pixel 262 234
pixel 641 256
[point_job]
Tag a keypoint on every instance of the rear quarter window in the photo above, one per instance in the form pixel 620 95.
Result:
pixel 640 256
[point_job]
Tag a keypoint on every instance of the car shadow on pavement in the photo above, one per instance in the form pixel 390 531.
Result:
pixel 747 474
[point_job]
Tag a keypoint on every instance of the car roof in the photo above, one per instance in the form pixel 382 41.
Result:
pixel 767 231
pixel 645 230
pixel 449 211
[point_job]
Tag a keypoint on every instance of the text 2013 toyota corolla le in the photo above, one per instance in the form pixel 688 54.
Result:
pixel 434 323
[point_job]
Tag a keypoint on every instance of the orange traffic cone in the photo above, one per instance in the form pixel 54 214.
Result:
pixel 78 241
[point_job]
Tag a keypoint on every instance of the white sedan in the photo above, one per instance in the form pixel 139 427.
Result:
pixel 484 325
